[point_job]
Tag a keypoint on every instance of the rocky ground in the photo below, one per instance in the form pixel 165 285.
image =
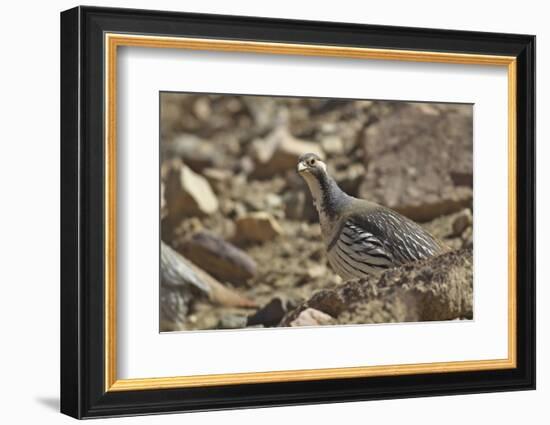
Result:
pixel 241 219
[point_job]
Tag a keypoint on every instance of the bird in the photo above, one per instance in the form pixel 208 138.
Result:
pixel 362 238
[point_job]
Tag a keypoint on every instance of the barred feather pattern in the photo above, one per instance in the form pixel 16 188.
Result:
pixel 380 241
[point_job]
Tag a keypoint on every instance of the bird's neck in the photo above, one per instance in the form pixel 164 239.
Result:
pixel 328 197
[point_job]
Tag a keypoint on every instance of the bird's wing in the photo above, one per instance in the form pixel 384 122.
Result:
pixel 176 271
pixel 392 238
pixel 362 249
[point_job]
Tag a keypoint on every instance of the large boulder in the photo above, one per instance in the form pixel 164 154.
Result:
pixel 440 288
pixel 419 160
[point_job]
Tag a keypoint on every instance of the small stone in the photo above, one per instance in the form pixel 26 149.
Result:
pixel 364 104
pixel 218 257
pixel 328 127
pixel 462 178
pixel 232 322
pixel 467 238
pixel 311 317
pixel 317 255
pixel 273 201
pixel 298 205
pixel 188 193
pixel 461 222
pixel 316 271
pixel 349 179
pixel 202 109
pixel 216 175
pixel 163 208
pixel 257 227
pixel 427 109
pixel 279 152
pixel 245 165
pixel 332 145
pixel 272 313
pixel 232 209
pixel 194 151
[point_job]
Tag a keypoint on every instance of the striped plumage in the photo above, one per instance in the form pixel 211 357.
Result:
pixel 361 237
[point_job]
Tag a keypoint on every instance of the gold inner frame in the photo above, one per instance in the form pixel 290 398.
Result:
pixel 113 41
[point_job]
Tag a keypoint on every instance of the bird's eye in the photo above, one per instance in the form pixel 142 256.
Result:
pixel 312 162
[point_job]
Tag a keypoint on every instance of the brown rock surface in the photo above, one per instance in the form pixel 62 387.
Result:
pixel 218 257
pixel 311 317
pixel 279 152
pixel 257 227
pixel 440 288
pixel 188 193
pixel 413 155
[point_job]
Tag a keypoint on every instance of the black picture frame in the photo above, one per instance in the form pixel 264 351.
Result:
pixel 83 392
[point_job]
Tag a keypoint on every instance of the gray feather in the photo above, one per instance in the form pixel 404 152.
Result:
pixel 399 239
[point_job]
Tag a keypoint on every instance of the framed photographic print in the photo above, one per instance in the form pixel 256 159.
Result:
pixel 262 212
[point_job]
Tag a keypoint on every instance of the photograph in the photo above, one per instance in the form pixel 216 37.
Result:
pixel 262 211
pixel 298 211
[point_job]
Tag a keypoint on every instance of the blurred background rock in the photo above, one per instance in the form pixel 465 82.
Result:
pixel 234 207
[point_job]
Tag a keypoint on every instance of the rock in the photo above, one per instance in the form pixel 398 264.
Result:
pixel 245 165
pixel 279 152
pixel 461 222
pixel 179 286
pixel 202 108
pixel 316 271
pixel 232 322
pixel 224 296
pixel 468 238
pixel 174 308
pixel 163 208
pixel 332 145
pixel 218 257
pixel 194 151
pixel 232 210
pixel 257 227
pixel 431 206
pixel 271 313
pixel 188 193
pixel 182 282
pixel 298 203
pixel 462 178
pixel 264 111
pixel 350 178
pixel 419 159
pixel 428 109
pixel 440 288
pixel 201 322
pixel 311 317
pixel 273 201
pixel 176 271
pixel 216 175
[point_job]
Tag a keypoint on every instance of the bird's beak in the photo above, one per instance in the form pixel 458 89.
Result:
pixel 301 166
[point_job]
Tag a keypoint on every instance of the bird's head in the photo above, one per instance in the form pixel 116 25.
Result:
pixel 327 196
pixel 310 165
pixel 314 171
